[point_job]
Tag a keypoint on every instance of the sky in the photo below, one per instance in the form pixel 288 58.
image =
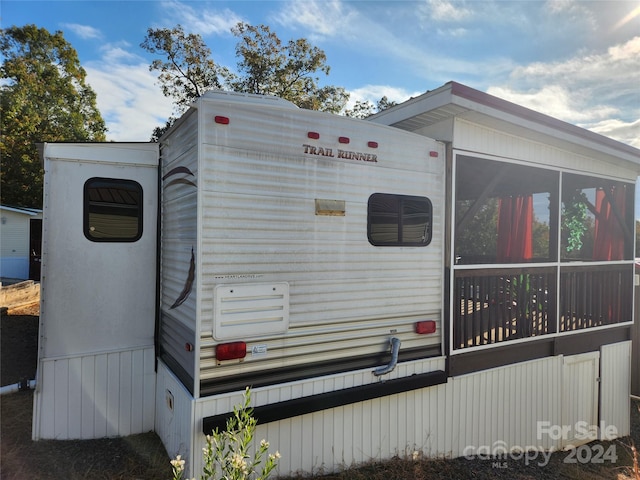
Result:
pixel 576 60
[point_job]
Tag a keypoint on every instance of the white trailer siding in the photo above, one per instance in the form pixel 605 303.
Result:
pixel 257 224
pixel 179 194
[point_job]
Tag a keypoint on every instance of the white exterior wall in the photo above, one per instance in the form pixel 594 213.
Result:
pixel 14 244
pixel 175 421
pixel 95 373
pixel 615 390
pixel 512 407
pixel 257 192
pixel 179 239
pixel 94 396
pixel 482 139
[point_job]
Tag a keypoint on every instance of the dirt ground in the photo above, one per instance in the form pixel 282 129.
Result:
pixel 143 456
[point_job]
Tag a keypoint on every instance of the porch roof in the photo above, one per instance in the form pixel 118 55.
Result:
pixel 456 100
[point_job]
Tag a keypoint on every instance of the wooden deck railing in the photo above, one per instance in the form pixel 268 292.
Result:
pixel 496 305
pixel 592 296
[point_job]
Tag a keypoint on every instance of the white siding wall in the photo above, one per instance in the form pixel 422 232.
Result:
pixel 94 396
pixel 174 414
pixel 476 138
pixel 580 396
pixel 14 245
pixel 509 407
pixel 615 389
pixel 520 406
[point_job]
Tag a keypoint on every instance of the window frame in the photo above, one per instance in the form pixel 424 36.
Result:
pixel 128 184
pixel 399 216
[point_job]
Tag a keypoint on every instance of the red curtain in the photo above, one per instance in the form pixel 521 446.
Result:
pixel 608 242
pixel 515 229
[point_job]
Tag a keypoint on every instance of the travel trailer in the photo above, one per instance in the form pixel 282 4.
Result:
pixel 452 274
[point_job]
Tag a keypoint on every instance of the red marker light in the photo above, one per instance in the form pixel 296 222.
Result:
pixel 343 139
pixel 314 135
pixel 425 327
pixel 222 120
pixel 433 153
pixel 231 351
pixel 372 144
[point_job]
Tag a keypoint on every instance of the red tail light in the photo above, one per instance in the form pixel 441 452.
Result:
pixel 231 351
pixel 425 327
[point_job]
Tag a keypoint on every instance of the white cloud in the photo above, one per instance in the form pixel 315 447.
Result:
pixel 447 11
pixel 127 96
pixel 83 31
pixel 319 18
pixel 373 93
pixel 627 132
pixel 200 20
pixel 596 90
pixel 556 101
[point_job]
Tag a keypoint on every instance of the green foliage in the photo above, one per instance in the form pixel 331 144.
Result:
pixel 266 66
pixel 574 220
pixel 479 237
pixel 186 70
pixel 364 109
pixel 227 457
pixel 43 98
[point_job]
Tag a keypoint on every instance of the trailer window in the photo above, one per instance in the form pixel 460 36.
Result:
pixel 399 220
pixel 112 210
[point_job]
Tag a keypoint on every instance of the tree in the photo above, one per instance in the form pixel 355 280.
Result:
pixel 43 98
pixel 364 109
pixel 265 66
pixel 287 71
pixel 188 70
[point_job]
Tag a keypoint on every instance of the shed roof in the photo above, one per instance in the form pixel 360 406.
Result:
pixel 456 100
pixel 32 212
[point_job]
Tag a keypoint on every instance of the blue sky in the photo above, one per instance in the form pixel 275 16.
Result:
pixel 576 60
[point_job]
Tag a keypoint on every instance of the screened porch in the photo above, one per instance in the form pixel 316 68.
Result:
pixel 537 252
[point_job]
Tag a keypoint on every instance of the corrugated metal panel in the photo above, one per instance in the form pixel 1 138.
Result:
pixel 615 374
pixel 497 408
pixel 580 397
pixel 94 396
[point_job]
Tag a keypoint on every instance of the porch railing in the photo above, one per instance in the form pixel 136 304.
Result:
pixel 592 296
pixel 497 305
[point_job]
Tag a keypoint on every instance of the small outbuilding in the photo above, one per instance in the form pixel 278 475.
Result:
pixel 20 238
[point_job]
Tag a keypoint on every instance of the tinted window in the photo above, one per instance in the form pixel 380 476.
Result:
pixel 399 220
pixel 112 210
